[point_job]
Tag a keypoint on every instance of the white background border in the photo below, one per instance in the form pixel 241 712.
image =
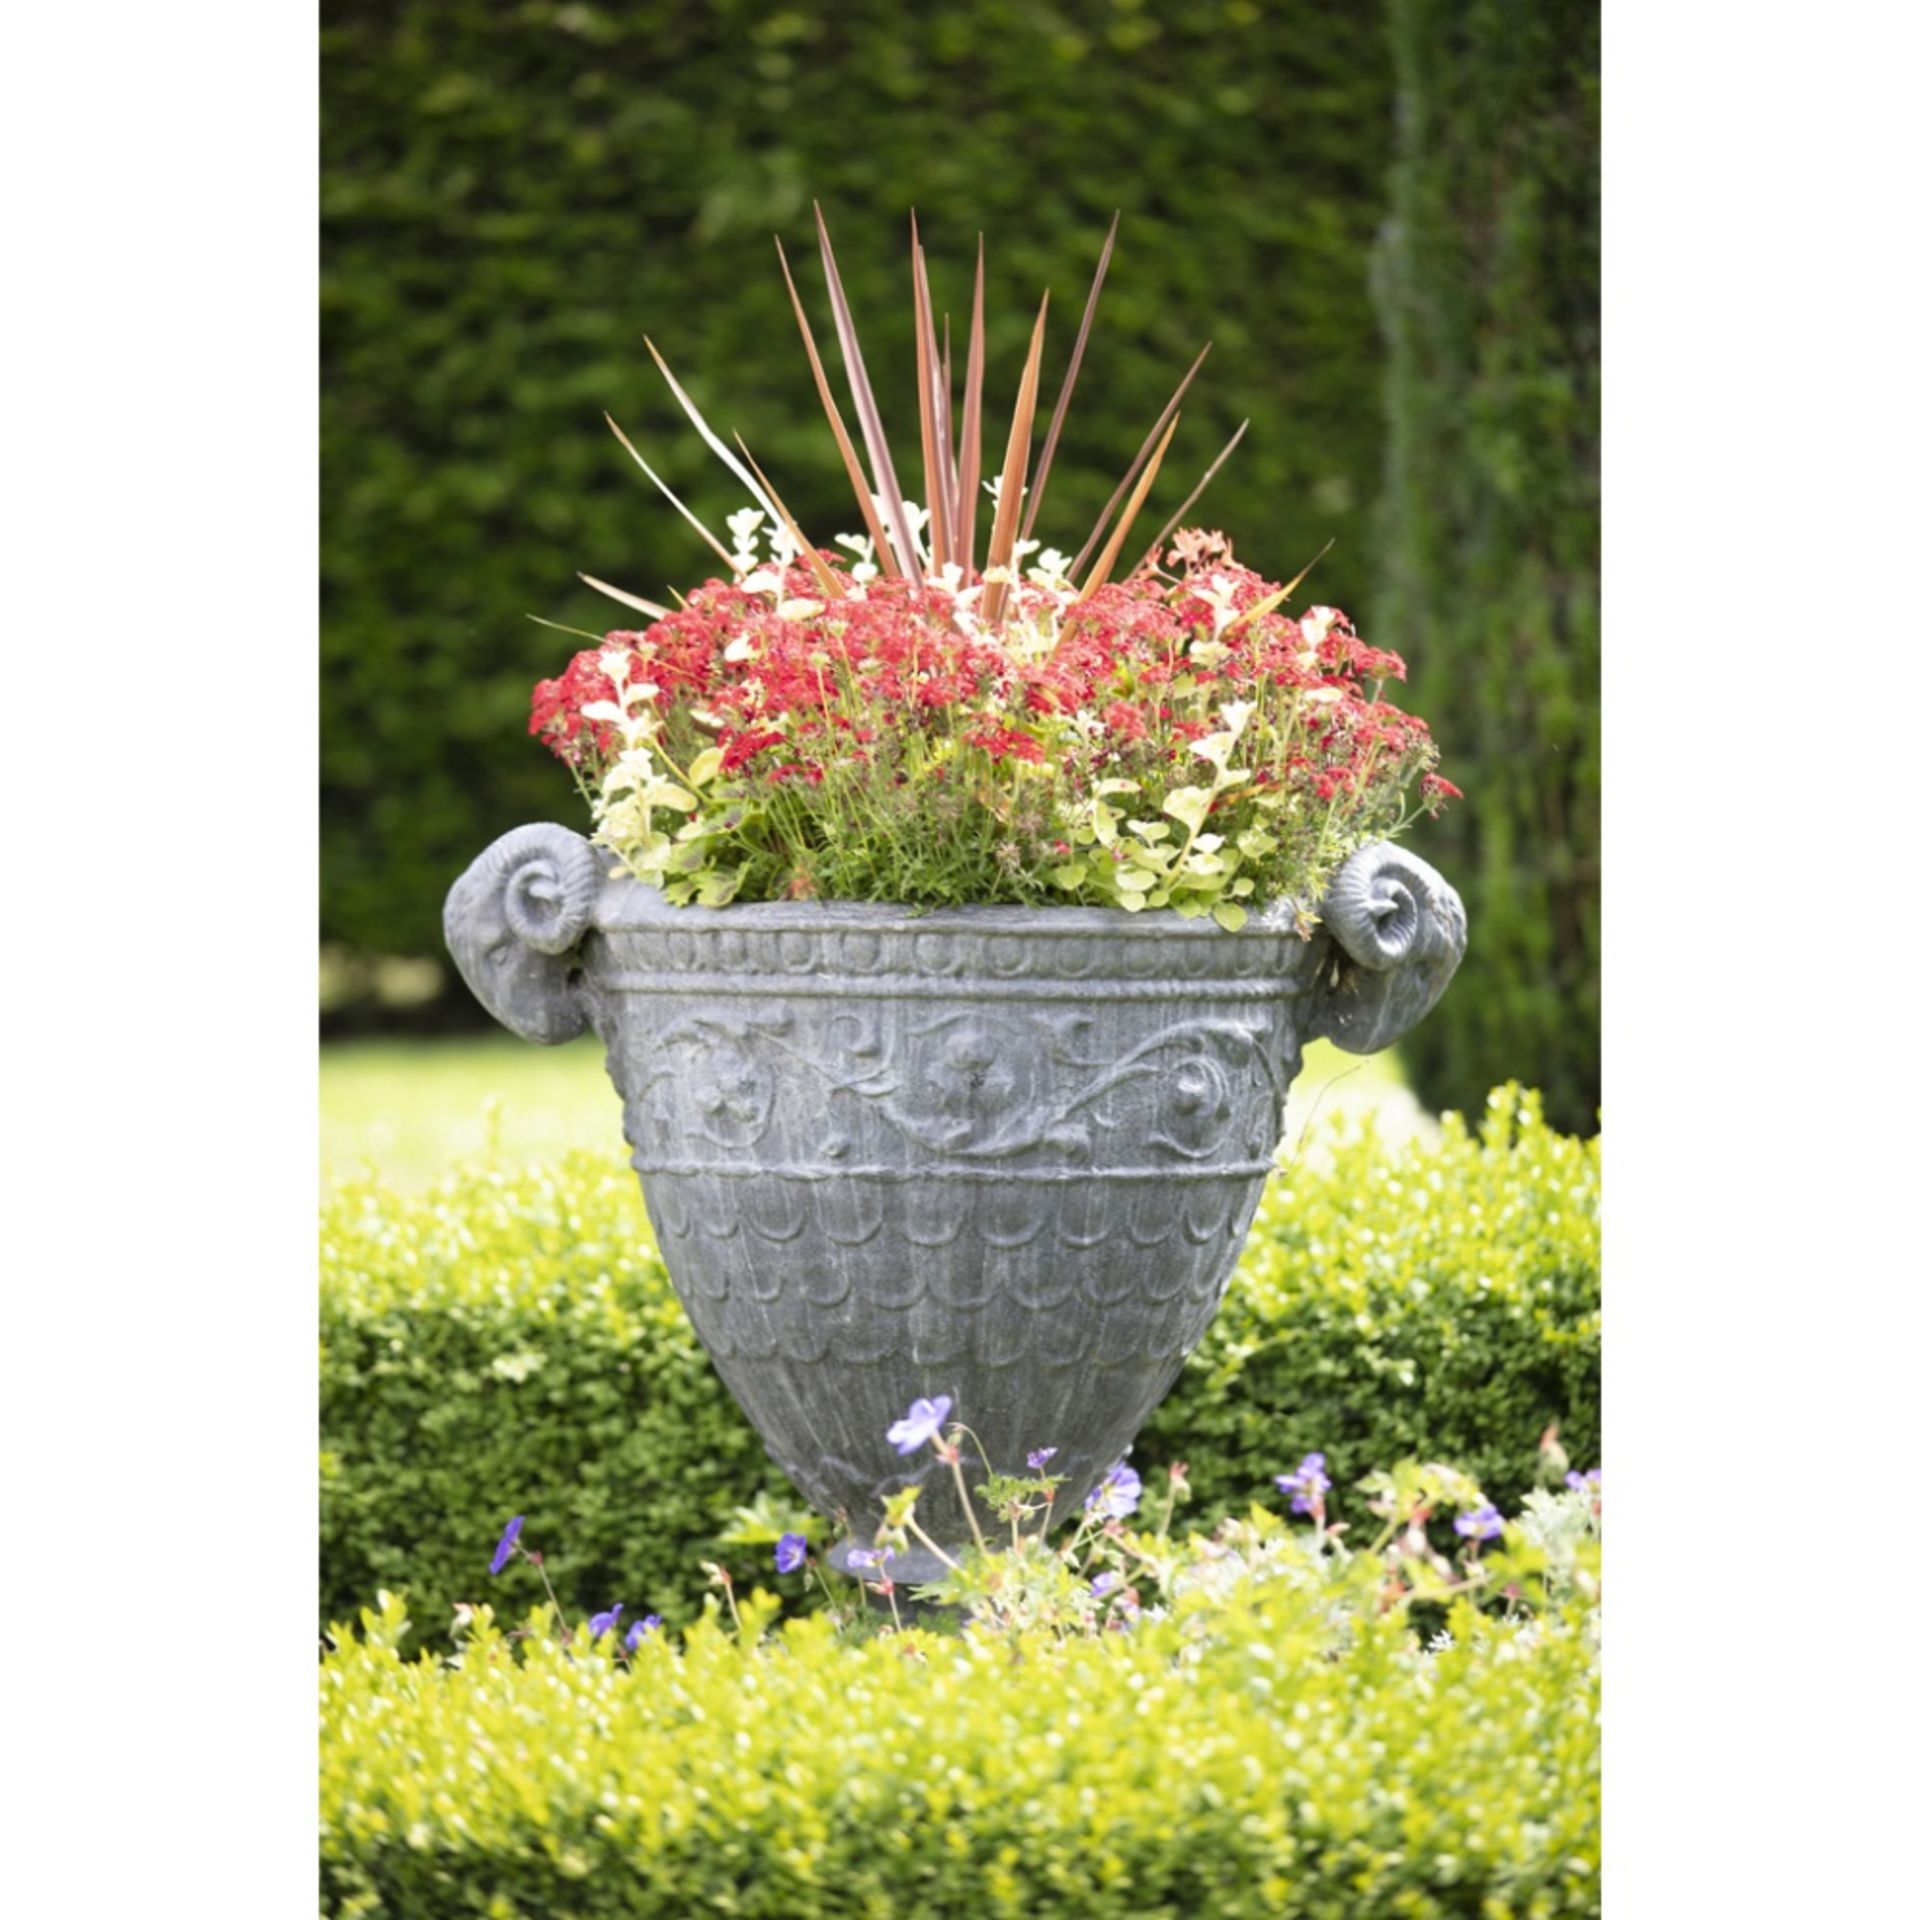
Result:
pixel 160 766
pixel 1759 712
pixel 161 1515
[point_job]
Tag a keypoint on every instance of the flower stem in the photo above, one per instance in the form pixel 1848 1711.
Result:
pixel 960 1481
pixel 540 1567
pixel 960 1426
pixel 933 1546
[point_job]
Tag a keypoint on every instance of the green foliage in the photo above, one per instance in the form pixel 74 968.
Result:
pixel 512 195
pixel 1282 1759
pixel 511 1344
pixel 1489 290
pixel 1438 1302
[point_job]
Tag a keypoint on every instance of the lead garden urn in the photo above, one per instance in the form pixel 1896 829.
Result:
pixel 997 1146
pixel 1004 1154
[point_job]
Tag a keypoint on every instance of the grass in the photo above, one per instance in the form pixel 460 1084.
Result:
pixel 409 1109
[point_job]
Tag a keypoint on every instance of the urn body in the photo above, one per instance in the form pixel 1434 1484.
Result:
pixel 1004 1154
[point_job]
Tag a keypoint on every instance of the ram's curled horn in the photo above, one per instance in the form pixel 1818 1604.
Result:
pixel 1400 931
pixel 514 921
pixel 550 877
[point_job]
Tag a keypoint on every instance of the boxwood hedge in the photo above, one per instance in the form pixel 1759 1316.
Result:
pixel 509 1343
pixel 1241 1771
pixel 1439 1302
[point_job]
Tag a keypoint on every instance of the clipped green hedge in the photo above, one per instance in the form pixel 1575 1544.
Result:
pixel 510 1343
pixel 1440 1303
pixel 1238 1772
pixel 1489 289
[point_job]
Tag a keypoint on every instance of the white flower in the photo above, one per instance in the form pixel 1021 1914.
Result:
pixel 614 663
pixel 799 609
pixel 917 519
pixel 1050 570
pixel 745 528
pixel 736 650
pixel 1217 592
pixel 861 547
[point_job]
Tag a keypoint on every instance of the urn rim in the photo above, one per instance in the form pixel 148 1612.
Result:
pixel 625 903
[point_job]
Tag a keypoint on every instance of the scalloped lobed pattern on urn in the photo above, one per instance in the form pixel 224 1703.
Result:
pixel 1006 1154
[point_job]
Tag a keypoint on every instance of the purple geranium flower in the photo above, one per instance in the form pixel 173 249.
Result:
pixel 791 1554
pixel 1585 1482
pixel 1117 1495
pixel 1308 1483
pixel 1038 1458
pixel 508 1540
pixel 640 1629
pixel 1483 1523
pixel 1104 1584
pixel 922 1423
pixel 869 1556
pixel 605 1622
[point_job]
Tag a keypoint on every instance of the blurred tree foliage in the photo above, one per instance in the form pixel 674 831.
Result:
pixel 514 193
pixel 1488 276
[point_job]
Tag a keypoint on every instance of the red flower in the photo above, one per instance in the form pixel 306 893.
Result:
pixel 880 685
pixel 556 715
pixel 1007 743
pixel 741 748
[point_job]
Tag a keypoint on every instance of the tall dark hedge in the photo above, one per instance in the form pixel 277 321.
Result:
pixel 514 193
pixel 1489 290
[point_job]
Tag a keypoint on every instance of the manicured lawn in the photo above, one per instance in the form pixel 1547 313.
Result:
pixel 406 1110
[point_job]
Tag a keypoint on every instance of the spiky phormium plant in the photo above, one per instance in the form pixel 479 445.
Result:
pixel 914 723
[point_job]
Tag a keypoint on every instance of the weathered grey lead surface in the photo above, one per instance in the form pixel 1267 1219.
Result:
pixel 1007 1154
